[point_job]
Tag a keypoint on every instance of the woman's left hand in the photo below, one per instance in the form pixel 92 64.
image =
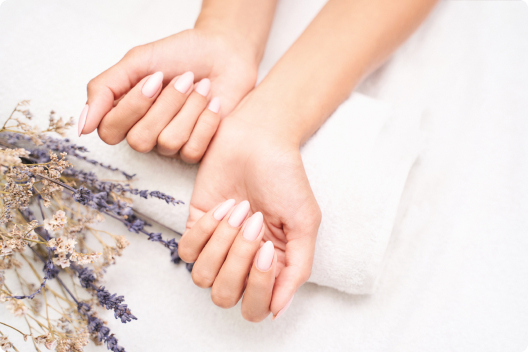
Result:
pixel 246 162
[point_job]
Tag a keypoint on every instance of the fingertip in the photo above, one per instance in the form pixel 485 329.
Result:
pixel 214 105
pixel 203 87
pixel 100 103
pixel 280 312
pixel 152 85
pixel 82 119
pixel 184 82
pixel 266 257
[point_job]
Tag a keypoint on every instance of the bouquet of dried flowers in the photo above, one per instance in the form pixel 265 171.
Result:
pixel 50 215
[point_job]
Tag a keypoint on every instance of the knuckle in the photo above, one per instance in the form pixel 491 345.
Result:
pixel 134 52
pixel 109 136
pixel 185 253
pixel 139 142
pixel 191 154
pixel 251 317
pixel 172 143
pixel 305 275
pixel 92 85
pixel 223 299
pixel 201 279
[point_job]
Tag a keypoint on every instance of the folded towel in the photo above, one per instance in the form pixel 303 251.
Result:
pixel 357 164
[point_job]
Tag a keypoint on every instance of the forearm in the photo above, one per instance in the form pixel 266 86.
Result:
pixel 345 42
pixel 248 21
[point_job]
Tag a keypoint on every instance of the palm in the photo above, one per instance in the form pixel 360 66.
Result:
pixel 271 177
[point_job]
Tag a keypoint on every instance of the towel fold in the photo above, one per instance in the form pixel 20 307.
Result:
pixel 357 164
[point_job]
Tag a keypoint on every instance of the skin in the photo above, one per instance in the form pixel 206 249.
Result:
pixel 255 156
pixel 218 48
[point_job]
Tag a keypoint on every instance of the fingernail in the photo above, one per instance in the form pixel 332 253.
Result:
pixel 214 105
pixel 82 119
pixel 283 309
pixel 253 226
pixel 266 256
pixel 223 209
pixel 239 214
pixel 152 85
pixel 185 82
pixel 203 87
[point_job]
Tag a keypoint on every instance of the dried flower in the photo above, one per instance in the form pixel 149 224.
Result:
pixel 5 345
pixel 17 307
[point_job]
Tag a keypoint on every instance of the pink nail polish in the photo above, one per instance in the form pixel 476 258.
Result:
pixel 239 214
pixel 82 119
pixel 214 105
pixel 223 209
pixel 203 87
pixel 253 226
pixel 267 251
pixel 185 82
pixel 152 85
pixel 283 309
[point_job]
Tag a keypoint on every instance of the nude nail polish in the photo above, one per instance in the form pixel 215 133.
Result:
pixel 152 85
pixel 283 309
pixel 203 87
pixel 214 105
pixel 223 209
pixel 253 226
pixel 239 214
pixel 185 82
pixel 82 119
pixel 267 252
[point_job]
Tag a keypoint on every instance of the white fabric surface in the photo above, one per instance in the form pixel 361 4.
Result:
pixel 455 271
pixel 357 164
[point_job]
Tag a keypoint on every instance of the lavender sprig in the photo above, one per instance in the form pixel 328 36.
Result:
pixel 97 328
pixel 106 299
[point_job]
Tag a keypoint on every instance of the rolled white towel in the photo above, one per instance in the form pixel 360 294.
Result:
pixel 357 164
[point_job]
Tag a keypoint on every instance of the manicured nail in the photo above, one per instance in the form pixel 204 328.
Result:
pixel 82 119
pixel 185 82
pixel 152 85
pixel 253 226
pixel 203 87
pixel 239 214
pixel 214 105
pixel 223 209
pixel 283 309
pixel 266 256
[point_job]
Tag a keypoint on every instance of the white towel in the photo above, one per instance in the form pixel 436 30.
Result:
pixel 357 164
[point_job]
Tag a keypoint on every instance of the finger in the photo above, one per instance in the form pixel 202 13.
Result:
pixel 194 239
pixel 256 301
pixel 299 259
pixel 143 136
pixel 178 131
pixel 212 257
pixel 202 133
pixel 111 85
pixel 135 104
pixel 230 281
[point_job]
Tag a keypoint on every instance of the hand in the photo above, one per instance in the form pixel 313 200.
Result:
pixel 128 101
pixel 248 161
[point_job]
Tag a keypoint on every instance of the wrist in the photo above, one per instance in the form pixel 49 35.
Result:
pixel 272 118
pixel 242 39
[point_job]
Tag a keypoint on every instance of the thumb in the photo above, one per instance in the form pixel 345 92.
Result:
pixel 112 85
pixel 299 258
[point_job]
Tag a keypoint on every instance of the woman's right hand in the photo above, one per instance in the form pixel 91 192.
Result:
pixel 128 100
